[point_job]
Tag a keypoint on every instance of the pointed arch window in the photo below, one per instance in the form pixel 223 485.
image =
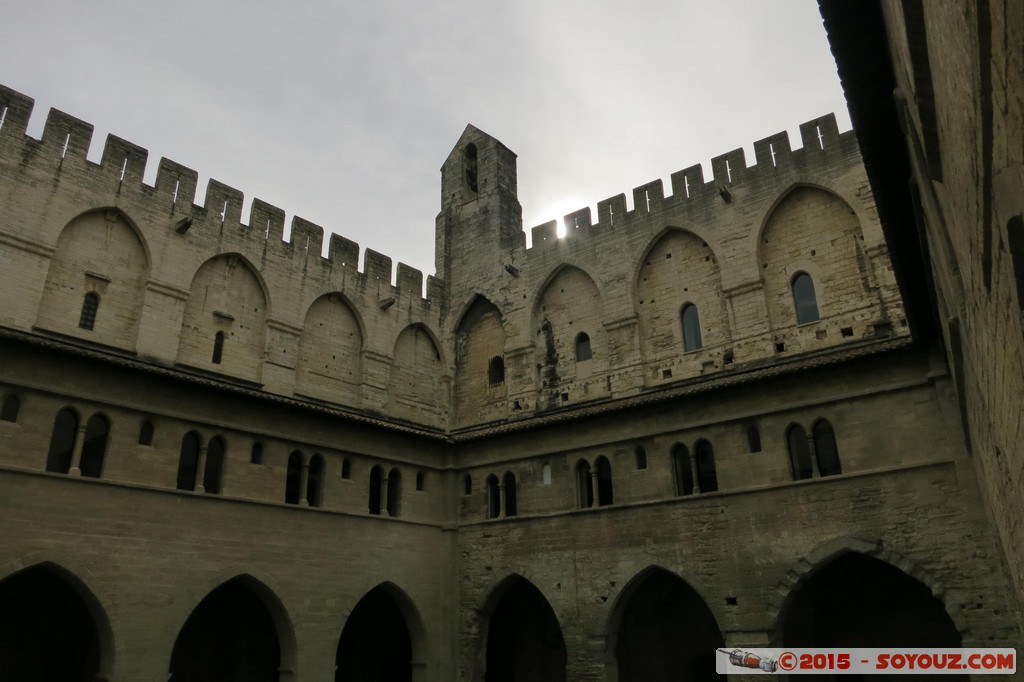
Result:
pixel 256 454
pixel 799 453
pixel 605 496
pixel 583 351
pixel 691 328
pixel 90 306
pixel 62 441
pixel 707 477
pixel 641 458
pixel 214 470
pixel 493 497
pixel 394 492
pixel 315 483
pixel 469 164
pixel 509 485
pixel 188 462
pixel 584 484
pixel 421 480
pixel 346 468
pixel 94 448
pixel 11 408
pixel 376 482
pixel 682 470
pixel 804 299
pixel 825 448
pixel 293 478
pixel 467 485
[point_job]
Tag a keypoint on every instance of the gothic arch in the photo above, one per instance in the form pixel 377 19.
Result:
pixel 569 303
pixel 625 660
pixel 96 280
pixel 70 578
pixel 480 386
pixel 677 268
pixel 818 183
pixel 516 585
pixel 807 566
pixel 228 300
pixel 329 365
pixel 666 232
pixel 831 250
pixel 418 376
pixel 374 604
pixel 266 595
pixel 566 264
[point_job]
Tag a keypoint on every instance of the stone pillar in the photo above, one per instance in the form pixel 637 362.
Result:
pixel 384 511
pixel 304 484
pixel 201 470
pixel 76 451
pixel 693 473
pixel 595 488
pixel 501 499
pixel 814 455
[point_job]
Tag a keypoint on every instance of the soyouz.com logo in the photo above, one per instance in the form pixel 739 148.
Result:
pixel 866 661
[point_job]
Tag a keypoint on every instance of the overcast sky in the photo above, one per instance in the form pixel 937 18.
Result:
pixel 342 112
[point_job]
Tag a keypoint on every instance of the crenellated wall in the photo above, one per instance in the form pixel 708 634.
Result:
pixel 731 246
pixel 559 445
pixel 171 276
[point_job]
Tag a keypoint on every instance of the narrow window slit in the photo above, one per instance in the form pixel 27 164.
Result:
pixel 67 141
pixel 771 150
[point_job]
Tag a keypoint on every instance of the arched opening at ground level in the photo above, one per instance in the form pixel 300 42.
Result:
pixel 381 640
pixel 857 600
pixel 51 628
pixel 231 636
pixel 524 639
pixel 662 630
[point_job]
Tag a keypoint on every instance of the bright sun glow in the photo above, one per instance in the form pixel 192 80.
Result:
pixel 556 211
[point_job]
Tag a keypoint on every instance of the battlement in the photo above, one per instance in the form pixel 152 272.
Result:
pixel 691 194
pixel 64 145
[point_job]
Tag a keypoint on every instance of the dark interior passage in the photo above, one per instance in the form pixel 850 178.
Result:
pixel 375 645
pixel 47 633
pixel 859 601
pixel 666 633
pixel 230 637
pixel 524 640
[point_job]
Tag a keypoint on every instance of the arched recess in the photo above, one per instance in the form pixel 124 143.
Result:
pixel 330 362
pixel 479 338
pixel 100 252
pixel 660 629
pixel 678 268
pixel 855 594
pixel 226 297
pixel 812 230
pixel 239 631
pixel 568 304
pixel 417 389
pixel 521 638
pixel 383 639
pixel 53 628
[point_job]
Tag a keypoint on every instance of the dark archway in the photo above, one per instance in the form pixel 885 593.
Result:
pixel 524 639
pixel 230 637
pixel 663 630
pixel 375 644
pixel 857 600
pixel 48 632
